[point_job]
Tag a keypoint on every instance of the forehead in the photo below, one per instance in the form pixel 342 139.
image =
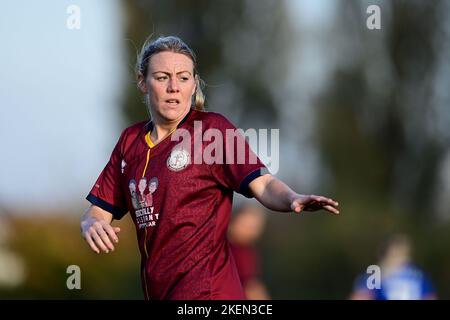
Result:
pixel 170 61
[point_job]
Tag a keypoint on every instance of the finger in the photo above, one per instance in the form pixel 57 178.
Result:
pixel 296 207
pixel 91 243
pixel 331 209
pixel 313 206
pixel 318 198
pixel 98 241
pixel 332 202
pixel 111 233
pixel 117 229
pixel 101 232
pixel 325 200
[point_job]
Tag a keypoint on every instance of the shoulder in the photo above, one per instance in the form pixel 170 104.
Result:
pixel 412 270
pixel 136 128
pixel 131 133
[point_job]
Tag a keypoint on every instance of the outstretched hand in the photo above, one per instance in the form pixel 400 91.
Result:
pixel 313 203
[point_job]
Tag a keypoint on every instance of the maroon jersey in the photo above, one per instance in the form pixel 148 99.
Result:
pixel 182 233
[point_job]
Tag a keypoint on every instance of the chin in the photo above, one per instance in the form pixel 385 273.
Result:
pixel 173 114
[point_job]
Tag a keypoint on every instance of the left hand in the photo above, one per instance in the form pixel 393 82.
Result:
pixel 313 203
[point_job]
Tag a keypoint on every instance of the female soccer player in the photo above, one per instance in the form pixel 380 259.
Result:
pixel 182 234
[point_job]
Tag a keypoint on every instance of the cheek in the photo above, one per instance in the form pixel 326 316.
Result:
pixel 155 90
pixel 190 90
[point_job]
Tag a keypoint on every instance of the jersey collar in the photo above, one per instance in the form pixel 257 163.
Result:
pixel 149 126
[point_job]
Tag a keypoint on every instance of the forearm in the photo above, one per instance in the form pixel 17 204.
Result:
pixel 273 193
pixel 97 213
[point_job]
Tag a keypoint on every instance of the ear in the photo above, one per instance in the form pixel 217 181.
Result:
pixel 141 83
pixel 197 83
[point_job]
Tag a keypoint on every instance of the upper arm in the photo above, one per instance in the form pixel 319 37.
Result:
pixel 107 193
pixel 258 185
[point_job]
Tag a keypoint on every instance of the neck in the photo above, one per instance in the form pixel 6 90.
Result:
pixel 160 131
pixel 162 128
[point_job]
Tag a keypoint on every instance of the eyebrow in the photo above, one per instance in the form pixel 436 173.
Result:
pixel 168 73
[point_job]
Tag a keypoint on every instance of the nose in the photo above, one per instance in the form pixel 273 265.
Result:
pixel 173 85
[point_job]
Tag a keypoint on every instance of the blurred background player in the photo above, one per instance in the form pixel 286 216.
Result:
pixel 401 279
pixel 245 229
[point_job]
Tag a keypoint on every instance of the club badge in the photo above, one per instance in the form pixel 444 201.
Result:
pixel 178 159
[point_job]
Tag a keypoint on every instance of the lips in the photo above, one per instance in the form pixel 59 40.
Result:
pixel 172 101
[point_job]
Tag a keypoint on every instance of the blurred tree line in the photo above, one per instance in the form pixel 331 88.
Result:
pixel 375 129
pixel 381 132
pixel 232 40
pixel 383 141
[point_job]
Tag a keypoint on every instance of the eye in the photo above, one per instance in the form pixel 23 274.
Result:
pixel 184 78
pixel 161 78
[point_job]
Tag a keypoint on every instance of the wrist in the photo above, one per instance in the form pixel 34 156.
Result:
pixel 292 196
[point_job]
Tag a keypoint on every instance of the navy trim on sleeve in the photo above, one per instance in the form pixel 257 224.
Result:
pixel 117 212
pixel 243 188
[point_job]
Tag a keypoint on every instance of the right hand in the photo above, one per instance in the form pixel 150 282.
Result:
pixel 99 234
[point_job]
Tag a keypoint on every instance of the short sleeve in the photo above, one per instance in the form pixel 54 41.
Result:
pixel 240 164
pixel 107 192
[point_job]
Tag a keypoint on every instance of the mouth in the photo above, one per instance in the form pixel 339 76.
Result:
pixel 173 102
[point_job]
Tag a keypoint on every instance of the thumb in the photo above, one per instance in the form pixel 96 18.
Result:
pixel 296 206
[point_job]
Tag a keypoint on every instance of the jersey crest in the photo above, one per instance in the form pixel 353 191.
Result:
pixel 178 160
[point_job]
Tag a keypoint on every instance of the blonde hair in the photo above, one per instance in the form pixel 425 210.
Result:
pixel 172 44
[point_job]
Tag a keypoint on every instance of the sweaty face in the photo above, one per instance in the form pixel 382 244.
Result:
pixel 171 84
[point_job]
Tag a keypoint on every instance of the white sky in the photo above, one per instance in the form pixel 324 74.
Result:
pixel 59 99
